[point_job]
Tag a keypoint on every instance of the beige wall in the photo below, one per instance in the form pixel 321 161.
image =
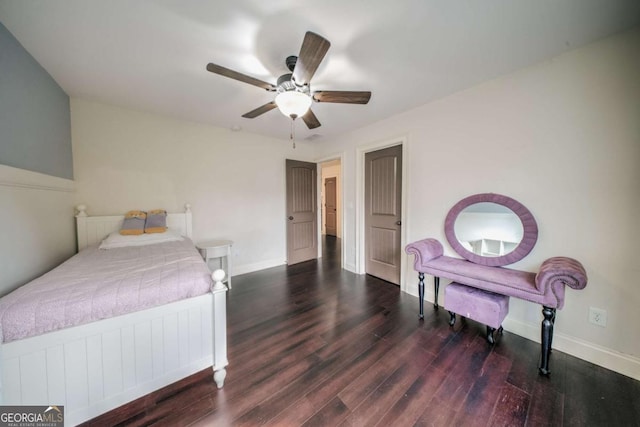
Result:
pixel 563 138
pixel 235 181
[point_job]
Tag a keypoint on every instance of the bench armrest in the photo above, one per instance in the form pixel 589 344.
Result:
pixel 424 250
pixel 560 271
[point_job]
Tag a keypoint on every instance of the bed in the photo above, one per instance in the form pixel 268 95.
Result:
pixel 102 363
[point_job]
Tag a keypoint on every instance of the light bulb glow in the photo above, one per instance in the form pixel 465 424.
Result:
pixel 293 103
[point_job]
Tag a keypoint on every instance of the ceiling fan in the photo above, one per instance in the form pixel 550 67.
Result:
pixel 294 96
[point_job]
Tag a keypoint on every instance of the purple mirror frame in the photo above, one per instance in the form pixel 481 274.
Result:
pixel 529 238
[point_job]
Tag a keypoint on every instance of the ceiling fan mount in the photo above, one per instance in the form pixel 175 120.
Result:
pixel 294 95
pixel 291 62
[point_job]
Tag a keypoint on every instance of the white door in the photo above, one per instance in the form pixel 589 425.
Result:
pixel 302 222
pixel 383 192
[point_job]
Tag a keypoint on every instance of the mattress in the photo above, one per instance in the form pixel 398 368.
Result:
pixel 98 284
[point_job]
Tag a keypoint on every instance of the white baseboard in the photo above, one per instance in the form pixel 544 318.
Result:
pixel 256 266
pixel 350 267
pixel 619 362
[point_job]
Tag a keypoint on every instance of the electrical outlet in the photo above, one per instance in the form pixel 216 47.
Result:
pixel 598 316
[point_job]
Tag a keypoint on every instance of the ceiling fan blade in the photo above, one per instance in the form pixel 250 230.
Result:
pixel 342 97
pixel 260 110
pixel 310 120
pixel 218 69
pixel 313 50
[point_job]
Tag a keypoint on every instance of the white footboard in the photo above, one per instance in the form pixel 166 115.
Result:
pixel 93 368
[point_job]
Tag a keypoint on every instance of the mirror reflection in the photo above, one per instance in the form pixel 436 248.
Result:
pixel 488 229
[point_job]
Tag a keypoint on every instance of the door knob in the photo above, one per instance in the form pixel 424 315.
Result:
pixel 398 222
pixel 290 218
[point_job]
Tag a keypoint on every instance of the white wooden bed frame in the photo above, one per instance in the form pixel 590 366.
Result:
pixel 94 368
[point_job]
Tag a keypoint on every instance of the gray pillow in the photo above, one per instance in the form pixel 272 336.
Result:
pixel 156 221
pixel 133 223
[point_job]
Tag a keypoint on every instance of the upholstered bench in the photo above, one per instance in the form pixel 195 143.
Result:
pixel 485 307
pixel 547 287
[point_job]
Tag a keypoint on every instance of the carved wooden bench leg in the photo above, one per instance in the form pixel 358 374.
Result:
pixel 421 293
pixel 436 289
pixel 452 319
pixel 553 322
pixel 547 335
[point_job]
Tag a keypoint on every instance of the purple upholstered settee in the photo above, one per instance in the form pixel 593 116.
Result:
pixel 547 287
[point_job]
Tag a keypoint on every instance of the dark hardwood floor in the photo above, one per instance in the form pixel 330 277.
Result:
pixel 315 345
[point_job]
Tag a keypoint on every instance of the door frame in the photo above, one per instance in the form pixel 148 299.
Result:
pixel 360 206
pixel 340 184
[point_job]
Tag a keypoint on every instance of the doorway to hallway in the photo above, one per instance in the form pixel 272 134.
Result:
pixel 331 218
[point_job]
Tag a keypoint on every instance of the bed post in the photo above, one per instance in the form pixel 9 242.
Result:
pixel 219 291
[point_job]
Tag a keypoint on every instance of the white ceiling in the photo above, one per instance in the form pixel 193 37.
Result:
pixel 151 54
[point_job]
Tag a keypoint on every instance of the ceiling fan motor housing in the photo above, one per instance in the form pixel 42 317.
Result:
pixel 286 84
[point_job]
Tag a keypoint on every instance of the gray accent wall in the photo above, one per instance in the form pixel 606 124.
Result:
pixel 35 119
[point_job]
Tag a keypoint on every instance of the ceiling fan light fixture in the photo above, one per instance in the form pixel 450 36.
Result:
pixel 293 103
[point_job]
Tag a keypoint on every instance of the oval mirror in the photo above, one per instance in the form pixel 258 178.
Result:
pixel 491 229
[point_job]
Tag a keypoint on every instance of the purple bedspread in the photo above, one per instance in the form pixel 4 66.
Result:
pixel 98 284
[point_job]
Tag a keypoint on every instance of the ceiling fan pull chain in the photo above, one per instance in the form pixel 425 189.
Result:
pixel 293 132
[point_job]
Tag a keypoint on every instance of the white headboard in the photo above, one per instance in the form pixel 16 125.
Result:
pixel 93 229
